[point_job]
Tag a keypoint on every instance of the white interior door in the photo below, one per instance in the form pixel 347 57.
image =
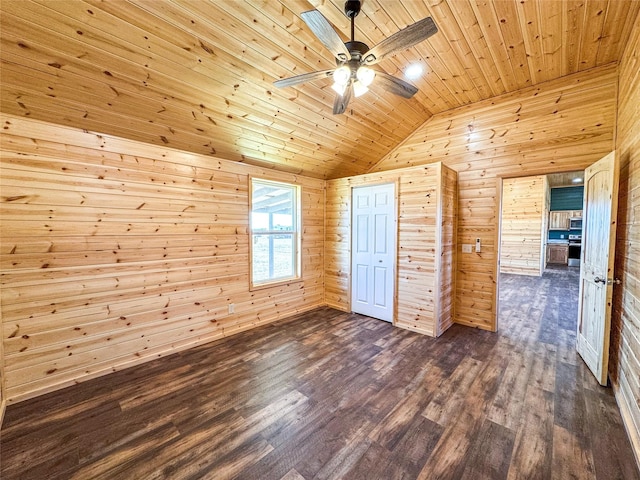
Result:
pixel 373 251
pixel 596 272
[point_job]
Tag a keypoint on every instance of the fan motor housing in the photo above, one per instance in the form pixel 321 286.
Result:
pixel 357 49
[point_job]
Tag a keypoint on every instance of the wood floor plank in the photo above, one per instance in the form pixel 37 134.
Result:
pixel 533 446
pixel 331 441
pixel 292 475
pixel 569 402
pixel 334 395
pixel 491 454
pixel 376 459
pixel 395 425
pixel 452 452
pixel 543 366
pixel 130 457
pixel 608 440
pixel 416 445
pixel 451 395
pixel 506 409
pixel 342 460
pixel 570 458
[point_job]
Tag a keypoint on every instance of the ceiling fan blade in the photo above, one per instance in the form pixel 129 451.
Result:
pixel 322 29
pixel 405 38
pixel 305 77
pixel 341 101
pixel 394 85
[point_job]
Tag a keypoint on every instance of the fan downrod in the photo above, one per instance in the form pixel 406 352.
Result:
pixel 351 10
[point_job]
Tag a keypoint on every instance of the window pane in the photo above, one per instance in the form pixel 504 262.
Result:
pixel 273 207
pixel 283 256
pixel 261 264
pixel 273 257
pixel 274 231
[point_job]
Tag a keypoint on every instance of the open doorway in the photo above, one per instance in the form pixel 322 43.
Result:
pixel 539 248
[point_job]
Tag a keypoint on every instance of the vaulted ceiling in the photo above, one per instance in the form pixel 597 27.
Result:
pixel 197 74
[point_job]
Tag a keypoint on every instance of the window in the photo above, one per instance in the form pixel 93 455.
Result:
pixel 275 232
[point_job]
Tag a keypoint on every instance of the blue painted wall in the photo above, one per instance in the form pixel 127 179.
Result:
pixel 566 198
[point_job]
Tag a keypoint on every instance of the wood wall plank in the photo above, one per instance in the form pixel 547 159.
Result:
pixel 115 252
pixel 447 248
pixel 624 362
pixel 522 230
pixel 561 125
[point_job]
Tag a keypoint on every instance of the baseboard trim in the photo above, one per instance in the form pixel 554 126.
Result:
pixel 627 421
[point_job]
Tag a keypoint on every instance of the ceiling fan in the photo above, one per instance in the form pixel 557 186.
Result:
pixel 352 75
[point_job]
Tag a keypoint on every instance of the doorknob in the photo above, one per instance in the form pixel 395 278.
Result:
pixel 600 280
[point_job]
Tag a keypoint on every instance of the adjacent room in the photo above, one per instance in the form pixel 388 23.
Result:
pixel 541 245
pixel 312 239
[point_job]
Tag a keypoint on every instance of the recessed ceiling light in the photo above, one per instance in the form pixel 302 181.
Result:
pixel 413 71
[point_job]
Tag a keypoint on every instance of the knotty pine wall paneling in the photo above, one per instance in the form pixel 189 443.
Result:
pixel 557 126
pixel 522 227
pixel 447 220
pixel 426 244
pixel 624 362
pixel 116 252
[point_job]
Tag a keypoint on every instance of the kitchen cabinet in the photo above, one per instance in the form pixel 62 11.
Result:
pixel 559 220
pixel 558 254
pixel 576 214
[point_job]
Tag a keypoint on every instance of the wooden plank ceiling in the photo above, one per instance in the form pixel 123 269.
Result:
pixel 569 179
pixel 197 75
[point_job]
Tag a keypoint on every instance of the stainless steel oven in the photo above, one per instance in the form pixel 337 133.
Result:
pixel 575 248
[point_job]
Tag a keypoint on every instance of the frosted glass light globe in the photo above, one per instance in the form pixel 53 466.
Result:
pixel 342 75
pixel 365 75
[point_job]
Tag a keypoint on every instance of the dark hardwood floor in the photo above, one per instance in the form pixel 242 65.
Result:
pixel 336 395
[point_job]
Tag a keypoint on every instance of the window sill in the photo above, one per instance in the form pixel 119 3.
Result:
pixel 275 283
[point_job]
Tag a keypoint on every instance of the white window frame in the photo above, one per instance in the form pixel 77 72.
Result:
pixel 295 232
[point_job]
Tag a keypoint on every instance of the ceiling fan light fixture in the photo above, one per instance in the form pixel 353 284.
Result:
pixel 351 77
pixel 365 75
pixel 359 88
pixel 338 88
pixel 342 75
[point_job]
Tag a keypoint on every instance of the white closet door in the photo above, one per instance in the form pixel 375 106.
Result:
pixel 373 251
